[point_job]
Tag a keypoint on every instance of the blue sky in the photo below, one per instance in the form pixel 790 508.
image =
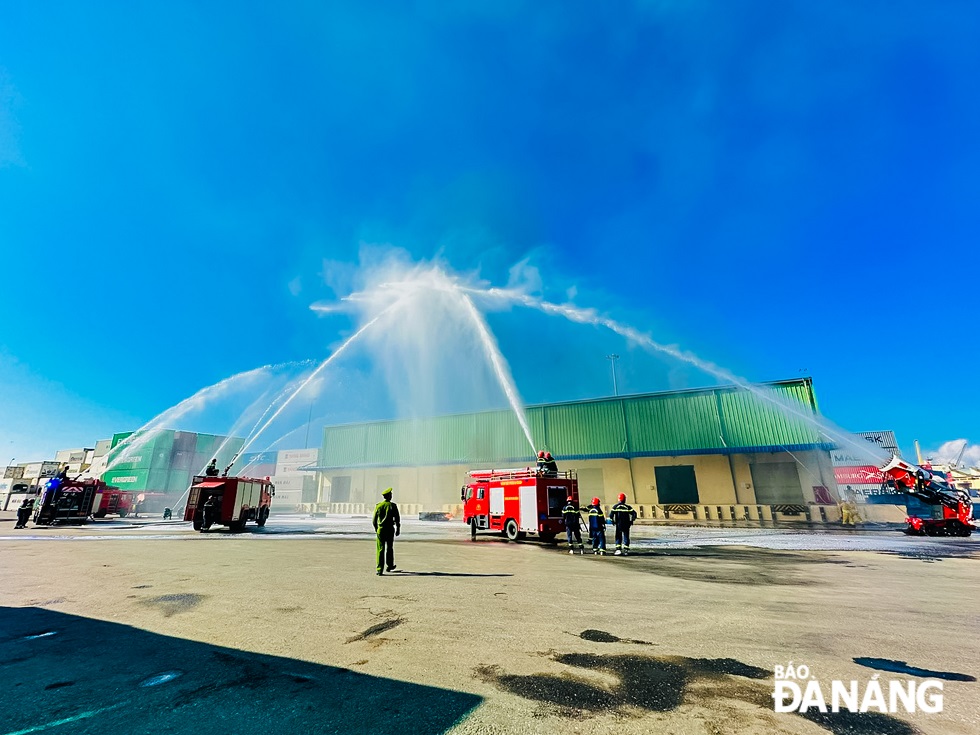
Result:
pixel 777 187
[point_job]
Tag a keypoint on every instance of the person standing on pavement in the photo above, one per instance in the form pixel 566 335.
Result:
pixel 387 524
pixel 597 528
pixel 24 513
pixel 573 521
pixel 623 517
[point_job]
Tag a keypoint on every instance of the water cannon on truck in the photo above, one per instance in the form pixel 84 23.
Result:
pixel 228 501
pixel 950 508
pixel 518 502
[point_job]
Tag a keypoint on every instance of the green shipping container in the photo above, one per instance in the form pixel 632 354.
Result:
pixel 205 443
pixel 152 452
pixel 126 479
pixel 116 438
pixel 178 481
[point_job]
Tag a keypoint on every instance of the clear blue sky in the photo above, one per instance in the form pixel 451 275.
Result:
pixel 777 186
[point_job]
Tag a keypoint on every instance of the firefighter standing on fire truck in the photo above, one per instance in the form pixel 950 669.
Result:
pixel 597 528
pixel 387 524
pixel 622 517
pixel 550 465
pixel 573 521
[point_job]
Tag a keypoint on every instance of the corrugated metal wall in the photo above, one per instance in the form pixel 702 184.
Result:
pixel 718 420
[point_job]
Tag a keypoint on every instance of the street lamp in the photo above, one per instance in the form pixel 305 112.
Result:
pixel 612 360
pixel 306 444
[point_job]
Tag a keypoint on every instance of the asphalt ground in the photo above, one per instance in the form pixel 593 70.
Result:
pixel 143 626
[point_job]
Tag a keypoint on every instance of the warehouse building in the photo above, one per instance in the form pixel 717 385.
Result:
pixel 718 453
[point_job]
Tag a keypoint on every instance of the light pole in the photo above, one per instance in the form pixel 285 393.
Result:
pixel 306 444
pixel 612 360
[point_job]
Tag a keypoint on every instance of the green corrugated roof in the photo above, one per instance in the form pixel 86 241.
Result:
pixel 709 421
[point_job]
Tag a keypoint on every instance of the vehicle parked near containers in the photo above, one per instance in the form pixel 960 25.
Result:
pixel 228 501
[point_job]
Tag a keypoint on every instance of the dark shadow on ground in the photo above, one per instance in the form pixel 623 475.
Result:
pixel 664 683
pixel 728 564
pixel 91 676
pixel 601 636
pixel 901 667
pixel 931 551
pixel 408 573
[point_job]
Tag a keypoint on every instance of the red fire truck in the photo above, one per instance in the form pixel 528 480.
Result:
pixel 110 499
pixel 228 501
pixel 949 509
pixel 517 502
pixel 73 501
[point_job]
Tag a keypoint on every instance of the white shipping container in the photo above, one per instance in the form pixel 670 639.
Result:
pixel 98 467
pixel 293 483
pixel 301 456
pixel 286 502
pixel 69 455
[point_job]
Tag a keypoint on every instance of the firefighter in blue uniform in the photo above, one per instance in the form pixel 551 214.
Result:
pixel 597 528
pixel 387 524
pixel 573 521
pixel 622 516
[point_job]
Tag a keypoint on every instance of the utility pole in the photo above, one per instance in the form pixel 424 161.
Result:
pixel 306 444
pixel 612 360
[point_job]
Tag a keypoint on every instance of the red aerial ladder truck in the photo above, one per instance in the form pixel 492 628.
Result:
pixel 518 502
pixel 951 509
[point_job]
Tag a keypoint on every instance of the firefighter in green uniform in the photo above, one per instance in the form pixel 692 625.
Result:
pixel 387 524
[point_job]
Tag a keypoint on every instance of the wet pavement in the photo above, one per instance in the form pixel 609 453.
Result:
pixel 287 629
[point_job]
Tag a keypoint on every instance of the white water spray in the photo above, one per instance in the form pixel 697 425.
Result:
pixel 590 317
pixel 500 367
pixel 157 424
pixel 311 377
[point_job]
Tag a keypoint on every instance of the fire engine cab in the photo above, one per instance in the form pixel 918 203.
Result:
pixel 517 502
pixel 228 501
pixel 73 501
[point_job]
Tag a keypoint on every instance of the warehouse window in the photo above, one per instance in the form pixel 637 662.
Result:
pixel 677 484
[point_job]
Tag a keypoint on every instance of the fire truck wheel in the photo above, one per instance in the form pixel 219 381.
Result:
pixel 197 523
pixel 263 516
pixel 122 513
pixel 511 531
pixel 548 538
pixel 472 529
